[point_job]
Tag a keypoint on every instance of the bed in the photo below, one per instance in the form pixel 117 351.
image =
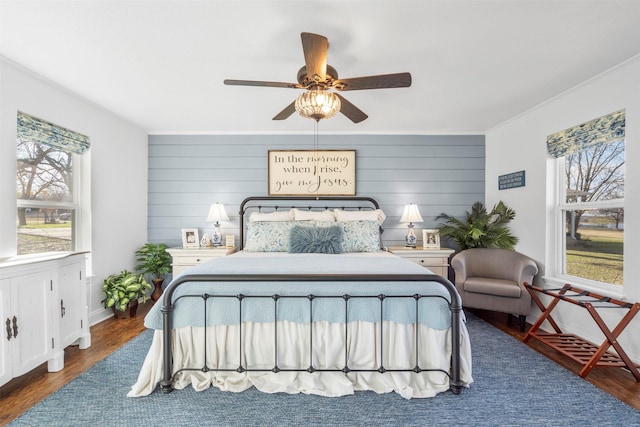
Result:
pixel 312 304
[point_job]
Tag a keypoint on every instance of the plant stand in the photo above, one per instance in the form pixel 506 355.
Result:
pixel 576 348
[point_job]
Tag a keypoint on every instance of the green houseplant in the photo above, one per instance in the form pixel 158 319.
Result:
pixel 480 229
pixel 122 291
pixel 153 259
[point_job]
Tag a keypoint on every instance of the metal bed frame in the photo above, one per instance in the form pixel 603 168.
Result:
pixel 455 304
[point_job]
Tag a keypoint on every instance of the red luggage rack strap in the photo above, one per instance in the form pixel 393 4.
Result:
pixel 576 348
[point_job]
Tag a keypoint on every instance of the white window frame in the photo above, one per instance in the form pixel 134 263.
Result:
pixel 560 206
pixel 79 240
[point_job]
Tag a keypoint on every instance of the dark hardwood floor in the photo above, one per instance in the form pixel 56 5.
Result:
pixel 20 394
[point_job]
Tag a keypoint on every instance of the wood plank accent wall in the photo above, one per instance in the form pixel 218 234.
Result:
pixel 187 173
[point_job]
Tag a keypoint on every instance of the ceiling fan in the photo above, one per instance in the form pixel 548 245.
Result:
pixel 317 78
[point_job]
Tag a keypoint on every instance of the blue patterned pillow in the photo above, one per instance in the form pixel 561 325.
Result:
pixel 361 236
pixel 268 236
pixel 321 240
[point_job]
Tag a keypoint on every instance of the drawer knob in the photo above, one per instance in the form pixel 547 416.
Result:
pixel 197 259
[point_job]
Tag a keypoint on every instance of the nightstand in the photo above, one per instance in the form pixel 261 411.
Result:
pixel 436 260
pixel 184 258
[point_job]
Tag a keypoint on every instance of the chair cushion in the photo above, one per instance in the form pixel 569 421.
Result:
pixel 503 288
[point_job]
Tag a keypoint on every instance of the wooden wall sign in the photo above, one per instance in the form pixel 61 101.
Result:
pixel 312 172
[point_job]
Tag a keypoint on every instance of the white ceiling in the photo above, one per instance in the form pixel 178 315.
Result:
pixel 474 63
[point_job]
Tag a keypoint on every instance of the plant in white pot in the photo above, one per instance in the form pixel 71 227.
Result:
pixel 153 259
pixel 122 291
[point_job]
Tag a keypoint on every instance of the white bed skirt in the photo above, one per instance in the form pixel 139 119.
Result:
pixel 293 352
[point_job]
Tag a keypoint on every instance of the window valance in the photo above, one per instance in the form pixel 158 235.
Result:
pixel 43 132
pixel 603 130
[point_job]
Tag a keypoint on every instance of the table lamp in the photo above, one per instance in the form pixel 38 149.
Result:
pixel 217 213
pixel 410 215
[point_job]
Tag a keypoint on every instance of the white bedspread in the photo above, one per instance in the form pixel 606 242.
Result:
pixel 224 350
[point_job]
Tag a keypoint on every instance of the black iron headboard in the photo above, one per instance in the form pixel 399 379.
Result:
pixel 273 203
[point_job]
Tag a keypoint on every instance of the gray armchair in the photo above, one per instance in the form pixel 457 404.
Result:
pixel 493 279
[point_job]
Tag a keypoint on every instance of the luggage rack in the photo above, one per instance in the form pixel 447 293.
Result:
pixel 576 348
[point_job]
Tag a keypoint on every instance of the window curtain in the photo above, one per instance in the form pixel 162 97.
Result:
pixel 43 132
pixel 603 130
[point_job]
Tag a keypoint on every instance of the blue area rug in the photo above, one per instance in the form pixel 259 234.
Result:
pixel 514 386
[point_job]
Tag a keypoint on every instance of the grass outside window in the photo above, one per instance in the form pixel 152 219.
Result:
pixel 597 255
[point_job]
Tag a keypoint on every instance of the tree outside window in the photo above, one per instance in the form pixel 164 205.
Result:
pixel 594 212
pixel 46 209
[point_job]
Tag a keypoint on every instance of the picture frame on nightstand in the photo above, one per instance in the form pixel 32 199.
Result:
pixel 190 238
pixel 430 239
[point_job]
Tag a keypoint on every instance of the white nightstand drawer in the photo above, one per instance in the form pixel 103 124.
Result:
pixel 429 262
pixel 436 260
pixel 184 258
pixel 191 260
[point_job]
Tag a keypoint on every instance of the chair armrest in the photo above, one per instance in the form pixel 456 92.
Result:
pixel 459 265
pixel 526 269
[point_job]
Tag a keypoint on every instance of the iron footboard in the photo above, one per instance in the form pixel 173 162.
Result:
pixel 455 307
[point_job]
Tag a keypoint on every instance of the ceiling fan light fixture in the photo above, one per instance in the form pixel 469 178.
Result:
pixel 317 104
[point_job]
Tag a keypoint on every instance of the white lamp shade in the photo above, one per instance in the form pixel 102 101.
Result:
pixel 411 214
pixel 217 213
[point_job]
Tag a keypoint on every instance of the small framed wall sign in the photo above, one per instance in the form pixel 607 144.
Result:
pixel 230 240
pixel 312 172
pixel 190 238
pixel 430 239
pixel 511 180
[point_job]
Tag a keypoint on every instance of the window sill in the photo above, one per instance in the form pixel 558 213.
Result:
pixel 34 258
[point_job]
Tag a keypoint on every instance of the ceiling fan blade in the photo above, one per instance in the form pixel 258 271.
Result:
pixel 352 112
pixel 382 81
pixel 261 83
pixel 315 49
pixel 284 114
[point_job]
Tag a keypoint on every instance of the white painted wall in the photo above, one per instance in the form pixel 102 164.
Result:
pixel 520 144
pixel 118 172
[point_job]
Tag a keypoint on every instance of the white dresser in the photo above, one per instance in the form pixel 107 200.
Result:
pixel 43 309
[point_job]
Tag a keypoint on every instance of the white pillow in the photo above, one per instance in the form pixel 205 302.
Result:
pixel 325 215
pixel 375 215
pixel 271 216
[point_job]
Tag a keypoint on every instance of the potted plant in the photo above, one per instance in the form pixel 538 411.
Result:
pixel 122 291
pixel 480 229
pixel 153 259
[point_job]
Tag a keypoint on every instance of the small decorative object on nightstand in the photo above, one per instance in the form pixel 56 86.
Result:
pixel 430 239
pixel 184 258
pixel 410 215
pixel 436 260
pixel 217 213
pixel 190 238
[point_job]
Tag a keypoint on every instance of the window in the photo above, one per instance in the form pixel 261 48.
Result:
pixel 591 205
pixel 47 186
